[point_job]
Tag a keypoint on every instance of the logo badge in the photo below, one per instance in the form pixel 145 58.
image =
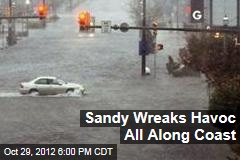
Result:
pixel 197 11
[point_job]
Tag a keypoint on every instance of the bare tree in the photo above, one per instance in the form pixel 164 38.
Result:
pixel 154 10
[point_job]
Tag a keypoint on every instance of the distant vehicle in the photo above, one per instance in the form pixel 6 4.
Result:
pixel 49 86
pixel 85 19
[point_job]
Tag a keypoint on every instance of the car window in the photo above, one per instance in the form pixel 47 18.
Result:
pixel 42 81
pixel 53 81
pixel 50 81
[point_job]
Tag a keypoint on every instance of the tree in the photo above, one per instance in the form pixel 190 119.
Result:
pixel 154 11
pixel 208 56
pixel 222 70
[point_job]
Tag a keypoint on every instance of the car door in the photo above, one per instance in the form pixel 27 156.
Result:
pixel 42 85
pixel 56 87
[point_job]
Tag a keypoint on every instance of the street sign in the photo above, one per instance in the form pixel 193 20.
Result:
pixel 106 26
pixel 197 11
pixel 143 48
pixel 147 46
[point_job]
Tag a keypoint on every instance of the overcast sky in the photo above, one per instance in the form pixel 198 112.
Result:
pixel 227 6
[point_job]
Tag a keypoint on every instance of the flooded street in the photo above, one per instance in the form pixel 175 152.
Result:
pixel 108 65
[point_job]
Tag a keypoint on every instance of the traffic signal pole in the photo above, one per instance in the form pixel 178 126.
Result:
pixel 144 28
pixel 144 38
pixel 20 17
pixel 230 29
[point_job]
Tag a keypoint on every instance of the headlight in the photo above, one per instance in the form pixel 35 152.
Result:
pixel 83 91
pixel 82 88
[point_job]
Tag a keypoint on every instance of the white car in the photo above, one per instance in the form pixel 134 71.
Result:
pixel 49 86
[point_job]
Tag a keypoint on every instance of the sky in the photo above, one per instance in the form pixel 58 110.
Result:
pixel 222 7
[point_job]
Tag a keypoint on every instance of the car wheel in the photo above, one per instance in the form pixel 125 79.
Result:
pixel 70 91
pixel 34 92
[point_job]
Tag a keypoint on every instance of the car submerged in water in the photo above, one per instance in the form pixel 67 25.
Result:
pixel 49 86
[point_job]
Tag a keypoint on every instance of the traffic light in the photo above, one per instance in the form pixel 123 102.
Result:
pixel 84 20
pixel 42 11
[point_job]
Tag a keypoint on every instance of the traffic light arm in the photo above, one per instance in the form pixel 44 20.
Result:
pixel 212 30
pixel 21 17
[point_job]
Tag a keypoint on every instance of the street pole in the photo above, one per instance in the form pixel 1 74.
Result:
pixel 3 36
pixel 10 25
pixel 211 12
pixel 224 44
pixel 155 65
pixel 238 18
pixel 177 13
pixel 154 51
pixel 27 27
pixel 44 20
pixel 11 39
pixel 70 5
pixel 238 13
pixel 54 8
pixel 144 38
pixel 3 29
pixel 225 23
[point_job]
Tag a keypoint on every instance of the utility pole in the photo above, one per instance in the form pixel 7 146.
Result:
pixel 238 13
pixel 155 56
pixel 177 13
pixel 2 30
pixel 27 14
pixel 144 38
pixel 44 20
pixel 54 8
pixel 11 39
pixel 238 18
pixel 225 24
pixel 211 12
pixel 70 5
pixel 154 33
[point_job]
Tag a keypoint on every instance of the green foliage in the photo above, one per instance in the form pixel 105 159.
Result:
pixel 226 96
pixel 221 68
pixel 209 57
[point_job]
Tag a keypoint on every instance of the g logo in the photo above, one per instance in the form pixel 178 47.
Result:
pixel 197 15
